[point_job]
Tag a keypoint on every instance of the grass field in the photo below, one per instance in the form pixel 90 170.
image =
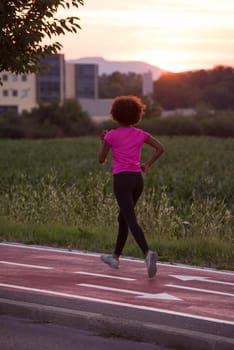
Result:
pixel 55 192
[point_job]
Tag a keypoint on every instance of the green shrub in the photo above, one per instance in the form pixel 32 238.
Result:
pixel 48 121
pixel 220 124
pixel 173 125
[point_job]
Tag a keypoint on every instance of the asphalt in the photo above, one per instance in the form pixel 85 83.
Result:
pixel 168 330
pixel 178 330
pixel 23 334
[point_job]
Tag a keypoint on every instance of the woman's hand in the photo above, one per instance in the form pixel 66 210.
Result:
pixel 104 132
pixel 145 167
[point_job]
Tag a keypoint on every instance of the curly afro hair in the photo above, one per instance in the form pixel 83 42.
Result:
pixel 127 110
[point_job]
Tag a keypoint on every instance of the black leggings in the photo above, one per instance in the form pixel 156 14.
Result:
pixel 128 187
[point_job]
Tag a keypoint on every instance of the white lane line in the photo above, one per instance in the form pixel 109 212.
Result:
pixel 186 278
pixel 134 260
pixel 162 296
pixel 110 302
pixel 200 290
pixel 106 276
pixel 49 249
pixel 26 265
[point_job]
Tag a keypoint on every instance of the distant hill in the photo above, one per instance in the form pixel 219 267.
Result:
pixel 109 67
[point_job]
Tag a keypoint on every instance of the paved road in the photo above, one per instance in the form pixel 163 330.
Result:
pixel 181 290
pixel 186 306
pixel 22 334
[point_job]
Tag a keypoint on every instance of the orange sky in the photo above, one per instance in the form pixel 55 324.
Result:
pixel 174 35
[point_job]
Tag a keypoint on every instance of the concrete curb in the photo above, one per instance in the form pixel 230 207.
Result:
pixel 177 338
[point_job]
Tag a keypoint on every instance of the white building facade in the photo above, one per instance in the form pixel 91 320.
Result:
pixel 18 92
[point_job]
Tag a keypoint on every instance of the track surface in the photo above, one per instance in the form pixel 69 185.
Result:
pixel 177 289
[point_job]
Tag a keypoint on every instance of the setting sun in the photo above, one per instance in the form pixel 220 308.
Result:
pixel 175 35
pixel 171 61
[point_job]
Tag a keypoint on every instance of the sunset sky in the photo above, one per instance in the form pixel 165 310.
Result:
pixel 175 35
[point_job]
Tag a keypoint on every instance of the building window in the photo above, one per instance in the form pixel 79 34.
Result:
pixel 24 77
pixel 14 77
pixel 24 93
pixel 15 93
pixel 5 77
pixel 5 93
pixel 6 108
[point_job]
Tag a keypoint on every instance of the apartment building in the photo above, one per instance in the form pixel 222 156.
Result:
pixel 147 83
pixel 18 92
pixel 51 82
pixel 25 91
pixel 81 81
pixel 86 78
pixel 61 81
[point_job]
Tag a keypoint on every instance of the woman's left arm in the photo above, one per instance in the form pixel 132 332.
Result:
pixel 159 149
pixel 103 152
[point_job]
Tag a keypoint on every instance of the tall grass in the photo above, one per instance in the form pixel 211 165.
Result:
pixel 54 192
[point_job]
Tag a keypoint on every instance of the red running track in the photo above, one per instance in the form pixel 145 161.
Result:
pixel 177 289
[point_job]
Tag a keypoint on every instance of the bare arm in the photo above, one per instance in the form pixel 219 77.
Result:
pixel 159 149
pixel 103 152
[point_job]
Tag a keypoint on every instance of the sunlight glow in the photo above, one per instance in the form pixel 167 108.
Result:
pixel 166 60
pixel 174 35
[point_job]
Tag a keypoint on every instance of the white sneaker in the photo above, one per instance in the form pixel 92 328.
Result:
pixel 151 260
pixel 110 260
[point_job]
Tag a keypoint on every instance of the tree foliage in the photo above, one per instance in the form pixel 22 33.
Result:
pixel 48 121
pixel 212 88
pixel 69 120
pixel 118 83
pixel 23 27
pixel 189 89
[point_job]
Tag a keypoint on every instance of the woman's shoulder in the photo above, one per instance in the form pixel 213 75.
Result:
pixel 140 131
pixel 110 134
pixel 112 131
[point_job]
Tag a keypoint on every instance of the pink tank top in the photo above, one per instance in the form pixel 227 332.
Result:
pixel 126 144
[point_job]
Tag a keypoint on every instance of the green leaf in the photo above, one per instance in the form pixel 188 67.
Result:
pixel 23 27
